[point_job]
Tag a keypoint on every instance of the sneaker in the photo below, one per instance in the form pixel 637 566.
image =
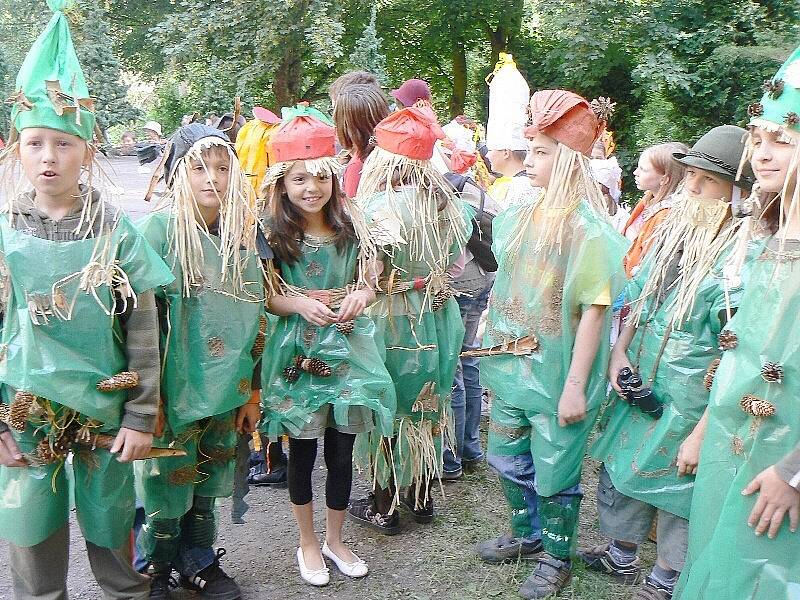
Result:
pixel 277 478
pixel 549 577
pixel 422 515
pixel 212 582
pixel 472 465
pixel 650 590
pixel 452 475
pixel 508 548
pixel 363 512
pixel 598 558
pixel 160 585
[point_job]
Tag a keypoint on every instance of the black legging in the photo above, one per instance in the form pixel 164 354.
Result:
pixel 338 460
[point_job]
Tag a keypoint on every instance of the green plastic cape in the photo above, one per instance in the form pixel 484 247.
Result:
pixel 359 378
pixel 51 89
pixel 543 293
pixel 726 560
pixel 208 366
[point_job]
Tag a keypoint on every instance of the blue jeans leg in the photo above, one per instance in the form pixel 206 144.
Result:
pixel 521 471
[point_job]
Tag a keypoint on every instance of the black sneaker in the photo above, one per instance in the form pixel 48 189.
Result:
pixel 652 590
pixel 598 558
pixel 549 577
pixel 423 514
pixel 364 513
pixel 160 584
pixel 508 548
pixel 275 479
pixel 212 582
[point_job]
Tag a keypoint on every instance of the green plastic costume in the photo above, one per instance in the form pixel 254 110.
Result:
pixel 51 90
pixel 422 346
pixel 359 395
pixel 640 453
pixel 75 345
pixel 726 560
pixel 543 293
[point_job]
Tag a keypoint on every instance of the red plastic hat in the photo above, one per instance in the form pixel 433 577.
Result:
pixel 411 132
pixel 303 136
pixel 412 91
pixel 567 118
pixel 265 115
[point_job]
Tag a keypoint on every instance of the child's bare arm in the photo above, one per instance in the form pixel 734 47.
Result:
pixel 311 310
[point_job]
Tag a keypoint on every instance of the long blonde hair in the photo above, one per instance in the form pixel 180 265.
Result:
pixel 660 156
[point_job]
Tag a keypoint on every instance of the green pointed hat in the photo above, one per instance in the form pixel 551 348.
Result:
pixel 51 89
pixel 780 106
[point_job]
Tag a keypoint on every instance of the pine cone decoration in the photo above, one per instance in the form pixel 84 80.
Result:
pixel 19 409
pixel 774 87
pixel 792 119
pixel 126 380
pixel 258 345
pixel 346 328
pixel 772 372
pixel 728 340
pixel 291 374
pixel 756 109
pixel 708 380
pixel 45 453
pixel 440 298
pixel 313 366
pixel 757 407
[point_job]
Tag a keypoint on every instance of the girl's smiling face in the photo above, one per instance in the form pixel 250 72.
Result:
pixel 309 193
pixel 772 156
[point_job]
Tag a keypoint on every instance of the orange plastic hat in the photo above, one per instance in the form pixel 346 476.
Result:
pixel 411 132
pixel 303 136
pixel 566 117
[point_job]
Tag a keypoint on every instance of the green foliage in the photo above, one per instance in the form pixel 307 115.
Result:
pixel 367 54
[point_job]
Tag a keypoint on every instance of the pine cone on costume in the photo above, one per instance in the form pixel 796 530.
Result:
pixel 727 340
pixel 757 407
pixel 19 409
pixel 772 372
pixel 126 380
pixel 756 109
pixel 791 119
pixel 346 328
pixel 708 380
pixel 45 453
pixel 440 298
pixel 313 366
pixel 291 374
pixel 774 87
pixel 261 338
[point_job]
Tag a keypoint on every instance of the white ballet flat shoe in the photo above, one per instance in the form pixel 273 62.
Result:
pixel 318 578
pixel 353 569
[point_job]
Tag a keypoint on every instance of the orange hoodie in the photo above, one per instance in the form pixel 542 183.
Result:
pixel 652 217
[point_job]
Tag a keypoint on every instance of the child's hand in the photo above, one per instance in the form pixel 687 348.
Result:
pixel 355 303
pixel 776 498
pixel 10 456
pixel 572 405
pixel 248 415
pixel 315 311
pixel 131 444
pixel 618 361
pixel 689 455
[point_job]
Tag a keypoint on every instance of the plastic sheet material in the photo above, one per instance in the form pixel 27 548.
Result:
pixel 208 367
pixel 543 292
pixel 60 359
pixel 726 560
pixel 252 148
pixel 641 453
pixel 359 391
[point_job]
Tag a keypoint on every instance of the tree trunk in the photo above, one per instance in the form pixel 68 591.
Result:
pixel 289 74
pixel 459 94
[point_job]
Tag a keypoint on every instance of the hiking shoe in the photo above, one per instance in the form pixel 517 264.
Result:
pixel 508 548
pixel 549 577
pixel 472 465
pixel 598 558
pixel 650 590
pixel 160 584
pixel 276 479
pixel 452 475
pixel 212 582
pixel 420 515
pixel 364 513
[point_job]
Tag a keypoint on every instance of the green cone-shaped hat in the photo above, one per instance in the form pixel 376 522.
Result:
pixel 51 90
pixel 780 106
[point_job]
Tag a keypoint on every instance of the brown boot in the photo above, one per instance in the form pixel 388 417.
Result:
pixel 549 577
pixel 650 590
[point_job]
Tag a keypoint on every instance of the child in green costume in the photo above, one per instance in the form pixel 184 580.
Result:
pixel 210 319
pixel 325 377
pixel 746 504
pixel 559 267
pixel 681 301
pixel 79 340
pixel 421 227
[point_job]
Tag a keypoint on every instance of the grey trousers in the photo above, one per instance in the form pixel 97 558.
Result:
pixel 40 572
pixel 629 520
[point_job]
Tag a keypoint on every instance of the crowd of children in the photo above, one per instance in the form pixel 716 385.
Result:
pixel 328 279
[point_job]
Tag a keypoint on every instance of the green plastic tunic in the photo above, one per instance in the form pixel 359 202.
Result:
pixel 640 453
pixel 63 360
pixel 726 560
pixel 359 395
pixel 208 366
pixel 544 293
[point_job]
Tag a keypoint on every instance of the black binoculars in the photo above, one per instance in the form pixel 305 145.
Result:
pixel 634 392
